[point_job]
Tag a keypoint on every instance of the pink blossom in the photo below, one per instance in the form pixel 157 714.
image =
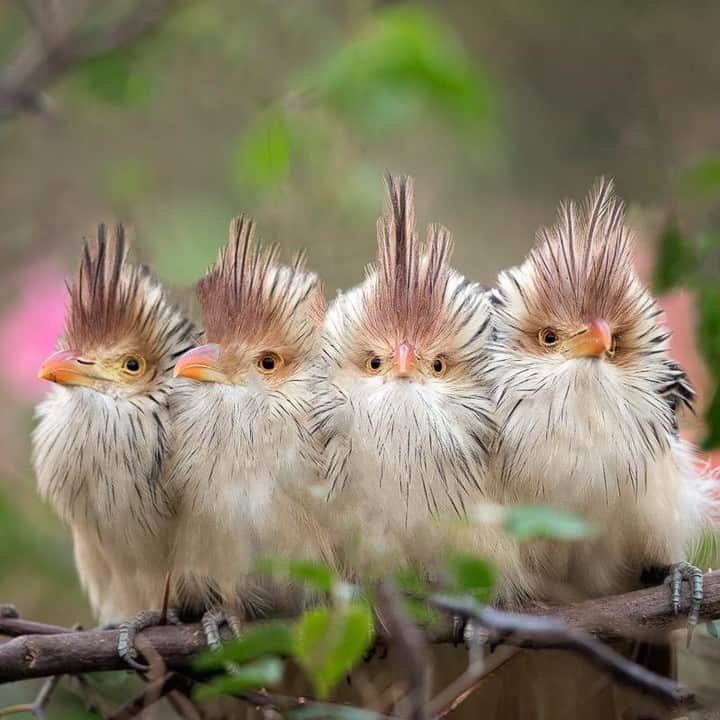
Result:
pixel 30 328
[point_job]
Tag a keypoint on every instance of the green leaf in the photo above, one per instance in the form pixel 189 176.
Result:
pixel 263 673
pixel 329 641
pixel 473 575
pixel 260 157
pixel 703 177
pixel 411 581
pixel 262 638
pixel 675 261
pixel 315 574
pixel 115 78
pixel 420 612
pixel 533 522
pixel 405 61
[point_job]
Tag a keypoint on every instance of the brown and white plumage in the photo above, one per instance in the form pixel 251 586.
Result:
pixel 404 413
pixel 243 463
pixel 103 435
pixel 587 397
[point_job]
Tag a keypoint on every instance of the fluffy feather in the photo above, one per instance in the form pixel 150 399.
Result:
pixel 594 435
pixel 244 460
pixel 99 452
pixel 402 452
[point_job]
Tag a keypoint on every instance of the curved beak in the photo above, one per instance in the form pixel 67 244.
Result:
pixel 68 367
pixel 201 363
pixel 404 360
pixel 595 341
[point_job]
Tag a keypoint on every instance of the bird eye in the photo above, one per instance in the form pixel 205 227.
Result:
pixel 439 366
pixel 373 363
pixel 269 362
pixel 548 337
pixel 133 364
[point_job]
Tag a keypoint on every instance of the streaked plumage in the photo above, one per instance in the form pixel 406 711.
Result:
pixel 243 463
pixel 587 398
pixel 404 414
pixel 103 435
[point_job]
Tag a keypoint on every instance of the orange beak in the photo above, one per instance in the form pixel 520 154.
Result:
pixel 404 360
pixel 67 367
pixel 595 341
pixel 201 363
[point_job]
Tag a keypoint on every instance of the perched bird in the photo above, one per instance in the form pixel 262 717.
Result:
pixel 102 440
pixel 587 401
pixel 404 414
pixel 243 462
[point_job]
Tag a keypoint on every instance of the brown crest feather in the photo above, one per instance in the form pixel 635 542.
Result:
pixel 248 295
pixel 411 277
pixel 583 264
pixel 106 299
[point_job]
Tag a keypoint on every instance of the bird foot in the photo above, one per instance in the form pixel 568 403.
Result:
pixel 8 611
pixel 694 578
pixel 468 633
pixel 213 620
pixel 130 628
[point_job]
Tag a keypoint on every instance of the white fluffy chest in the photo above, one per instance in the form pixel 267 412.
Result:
pixel 99 461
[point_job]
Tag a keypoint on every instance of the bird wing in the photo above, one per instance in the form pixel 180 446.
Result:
pixel 677 391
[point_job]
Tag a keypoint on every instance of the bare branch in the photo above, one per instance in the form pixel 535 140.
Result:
pixel 553 632
pixel 413 645
pixel 44 650
pixel 54 47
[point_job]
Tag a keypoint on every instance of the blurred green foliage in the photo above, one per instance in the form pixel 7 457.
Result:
pixel 694 262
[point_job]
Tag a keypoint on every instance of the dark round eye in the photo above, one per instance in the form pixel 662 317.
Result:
pixel 374 363
pixel 439 366
pixel 548 336
pixel 269 362
pixel 132 364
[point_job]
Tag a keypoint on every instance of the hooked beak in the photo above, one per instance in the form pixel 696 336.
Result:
pixel 404 360
pixel 67 367
pixel 201 363
pixel 595 341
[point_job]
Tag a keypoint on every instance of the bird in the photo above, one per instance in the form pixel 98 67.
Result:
pixel 404 415
pixel 587 401
pixel 243 462
pixel 102 438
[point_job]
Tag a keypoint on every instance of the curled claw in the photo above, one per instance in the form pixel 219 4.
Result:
pixel 694 577
pixel 212 621
pixel 130 628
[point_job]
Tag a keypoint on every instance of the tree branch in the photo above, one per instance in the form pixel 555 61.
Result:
pixel 40 650
pixel 56 44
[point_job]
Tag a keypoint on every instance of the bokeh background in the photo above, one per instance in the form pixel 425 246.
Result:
pixel 174 116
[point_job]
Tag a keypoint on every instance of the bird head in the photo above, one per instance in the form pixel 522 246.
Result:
pixel 579 347
pixel 262 318
pixel 122 334
pixel 415 321
pixel 577 299
pixel 405 352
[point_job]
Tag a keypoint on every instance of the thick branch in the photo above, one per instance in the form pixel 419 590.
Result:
pixel 49 650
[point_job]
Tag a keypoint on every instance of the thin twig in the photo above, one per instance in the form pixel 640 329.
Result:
pixel 412 644
pixel 548 632
pixel 151 693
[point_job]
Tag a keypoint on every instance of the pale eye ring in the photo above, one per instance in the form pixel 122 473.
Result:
pixel 439 366
pixel 548 337
pixel 133 364
pixel 373 364
pixel 269 362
